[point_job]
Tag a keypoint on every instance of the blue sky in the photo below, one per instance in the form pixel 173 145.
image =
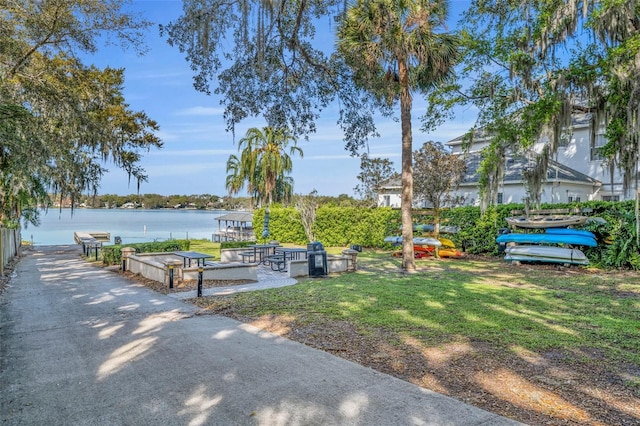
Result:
pixel 196 145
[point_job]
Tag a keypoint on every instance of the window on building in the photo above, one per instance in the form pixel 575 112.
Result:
pixel 500 198
pixel 596 147
pixel 387 200
pixel 610 198
pixel 573 199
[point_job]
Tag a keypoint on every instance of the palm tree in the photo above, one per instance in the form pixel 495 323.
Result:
pixel 391 47
pixel 284 189
pixel 236 179
pixel 265 160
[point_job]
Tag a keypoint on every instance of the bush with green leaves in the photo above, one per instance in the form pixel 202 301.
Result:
pixel 112 255
pixel 285 225
pixel 334 226
pixel 613 223
pixel 478 231
pixel 622 252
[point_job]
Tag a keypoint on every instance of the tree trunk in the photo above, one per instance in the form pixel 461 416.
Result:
pixel 406 202
pixel 436 227
pixel 637 209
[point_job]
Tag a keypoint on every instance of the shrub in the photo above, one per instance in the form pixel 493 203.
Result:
pixel 112 255
pixel 622 252
pixel 367 227
pixel 285 225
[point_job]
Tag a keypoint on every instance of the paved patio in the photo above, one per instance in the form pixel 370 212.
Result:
pixel 267 278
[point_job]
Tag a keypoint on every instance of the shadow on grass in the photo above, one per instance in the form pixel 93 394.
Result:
pixel 539 344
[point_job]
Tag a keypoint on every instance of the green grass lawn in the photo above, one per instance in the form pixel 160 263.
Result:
pixel 205 246
pixel 539 344
pixel 512 307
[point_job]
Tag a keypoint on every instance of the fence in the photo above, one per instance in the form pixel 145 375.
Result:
pixel 9 246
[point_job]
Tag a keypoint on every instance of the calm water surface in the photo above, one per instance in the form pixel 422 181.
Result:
pixel 132 225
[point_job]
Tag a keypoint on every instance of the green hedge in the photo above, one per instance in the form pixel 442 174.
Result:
pixel 334 226
pixel 112 255
pixel 344 226
pixel 285 225
pixel 478 231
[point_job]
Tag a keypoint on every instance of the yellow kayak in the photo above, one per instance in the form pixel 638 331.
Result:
pixel 446 242
pixel 449 252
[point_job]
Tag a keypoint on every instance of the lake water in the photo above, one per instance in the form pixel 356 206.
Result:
pixel 132 225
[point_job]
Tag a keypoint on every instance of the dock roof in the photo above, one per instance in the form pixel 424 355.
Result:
pixel 236 217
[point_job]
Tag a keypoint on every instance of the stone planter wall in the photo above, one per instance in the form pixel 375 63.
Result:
pixel 155 266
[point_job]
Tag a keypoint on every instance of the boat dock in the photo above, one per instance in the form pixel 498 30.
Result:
pixel 237 227
pixel 84 237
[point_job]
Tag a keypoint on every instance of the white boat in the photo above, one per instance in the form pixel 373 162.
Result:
pixel 427 241
pixel 546 221
pixel 393 239
pixel 444 229
pixel 527 253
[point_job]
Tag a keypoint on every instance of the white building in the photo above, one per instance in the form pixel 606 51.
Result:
pixel 563 184
pixel 582 153
pixel 576 172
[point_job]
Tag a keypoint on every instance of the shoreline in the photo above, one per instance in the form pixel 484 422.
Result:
pixel 58 226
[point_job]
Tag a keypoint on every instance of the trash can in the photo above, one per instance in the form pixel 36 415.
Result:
pixel 317 258
pixel 117 240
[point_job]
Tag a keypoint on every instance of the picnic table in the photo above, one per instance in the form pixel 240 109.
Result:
pixel 262 251
pixel 193 255
pixel 282 255
pixel 291 253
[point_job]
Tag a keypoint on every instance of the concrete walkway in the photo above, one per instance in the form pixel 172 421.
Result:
pixel 80 345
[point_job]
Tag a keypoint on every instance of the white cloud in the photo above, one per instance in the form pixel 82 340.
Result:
pixel 182 170
pixel 194 153
pixel 194 132
pixel 200 111
pixel 344 156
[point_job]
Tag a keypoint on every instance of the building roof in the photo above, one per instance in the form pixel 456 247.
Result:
pixel 478 134
pixel 515 167
pixel 236 217
pixel 578 119
pixel 513 173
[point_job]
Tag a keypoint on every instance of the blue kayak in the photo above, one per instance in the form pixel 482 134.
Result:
pixel 424 228
pixel 569 231
pixel 575 240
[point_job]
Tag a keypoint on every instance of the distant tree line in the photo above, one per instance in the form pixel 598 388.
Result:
pixel 194 201
pixel 157 201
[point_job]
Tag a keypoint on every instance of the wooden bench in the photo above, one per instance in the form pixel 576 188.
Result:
pixel 278 261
